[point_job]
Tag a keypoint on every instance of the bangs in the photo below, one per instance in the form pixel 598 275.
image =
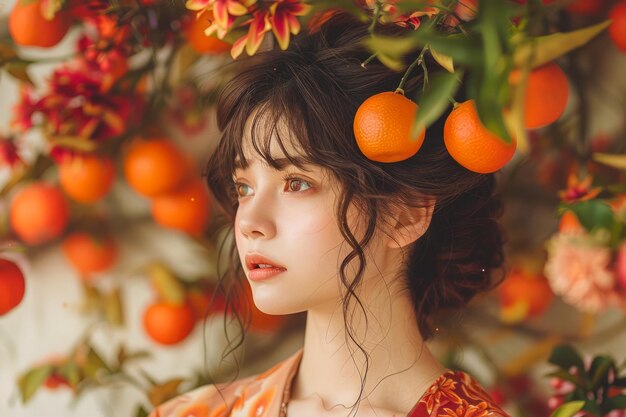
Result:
pixel 275 132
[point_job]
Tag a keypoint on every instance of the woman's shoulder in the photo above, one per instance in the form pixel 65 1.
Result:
pixel 233 398
pixel 456 393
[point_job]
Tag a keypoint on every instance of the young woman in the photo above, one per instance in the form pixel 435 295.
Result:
pixel 369 250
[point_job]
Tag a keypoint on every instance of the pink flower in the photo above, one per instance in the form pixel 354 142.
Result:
pixel 578 269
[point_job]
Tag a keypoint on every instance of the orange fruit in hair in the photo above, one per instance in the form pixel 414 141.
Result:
pixel 28 27
pixel 168 323
pixel 39 213
pixel 88 253
pixel 187 208
pixel 12 286
pixel 585 7
pixel 617 29
pixel 87 178
pixel 202 43
pixel 155 166
pixel 382 127
pixel 470 143
pixel 547 92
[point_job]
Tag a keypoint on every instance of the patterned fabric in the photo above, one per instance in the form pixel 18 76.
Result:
pixel 453 394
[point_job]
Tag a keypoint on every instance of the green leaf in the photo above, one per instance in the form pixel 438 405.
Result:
pixel 7 53
pixel 612 160
pixel 160 393
pixel 599 371
pixel 435 99
pixel 112 306
pixel 593 408
pixel 74 142
pixel 18 69
pixel 594 214
pixel 615 403
pixel 141 412
pixel 565 357
pixel 484 89
pixel 71 372
pixel 568 409
pixel 461 49
pixel 94 364
pixel 392 46
pixel 444 60
pixel 166 284
pixel 543 49
pixel 30 382
pixel 566 376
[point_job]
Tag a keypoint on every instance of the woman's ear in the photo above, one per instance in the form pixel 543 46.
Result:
pixel 410 224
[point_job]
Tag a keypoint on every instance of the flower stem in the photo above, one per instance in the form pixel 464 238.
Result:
pixel 375 17
pixel 369 59
pixel 419 60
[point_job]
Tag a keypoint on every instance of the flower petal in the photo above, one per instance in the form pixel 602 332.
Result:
pixel 236 8
pixel 281 29
pixel 257 30
pixel 294 24
pixel 238 46
pixel 197 4
pixel 220 12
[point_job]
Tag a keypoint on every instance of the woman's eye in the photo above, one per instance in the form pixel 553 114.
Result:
pixel 296 184
pixel 243 190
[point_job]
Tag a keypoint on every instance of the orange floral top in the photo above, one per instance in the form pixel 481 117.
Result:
pixel 453 394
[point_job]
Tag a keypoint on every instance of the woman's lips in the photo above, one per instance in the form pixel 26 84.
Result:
pixel 261 267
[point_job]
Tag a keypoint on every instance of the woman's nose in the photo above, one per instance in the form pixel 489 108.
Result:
pixel 255 220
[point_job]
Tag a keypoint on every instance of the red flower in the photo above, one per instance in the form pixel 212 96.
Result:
pixel 284 21
pixel 280 17
pixel 24 110
pixel 8 152
pixel 80 106
pixel 579 190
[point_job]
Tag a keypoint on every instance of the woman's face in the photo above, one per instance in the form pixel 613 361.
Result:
pixel 286 218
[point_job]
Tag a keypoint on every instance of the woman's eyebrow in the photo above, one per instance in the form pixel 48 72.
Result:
pixel 282 163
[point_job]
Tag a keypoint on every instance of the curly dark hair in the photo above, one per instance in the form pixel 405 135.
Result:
pixel 315 87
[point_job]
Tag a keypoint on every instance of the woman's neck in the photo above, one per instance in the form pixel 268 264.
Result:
pixel 400 366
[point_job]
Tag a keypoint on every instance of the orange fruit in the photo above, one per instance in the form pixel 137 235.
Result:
pixel 12 286
pixel 168 323
pixel 585 7
pixel 547 92
pixel 382 127
pixel 88 253
pixel 28 27
pixel 38 213
pixel 202 43
pixel 523 295
pixel 617 29
pixel 154 167
pixel 186 209
pixel 470 143
pixel 87 178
